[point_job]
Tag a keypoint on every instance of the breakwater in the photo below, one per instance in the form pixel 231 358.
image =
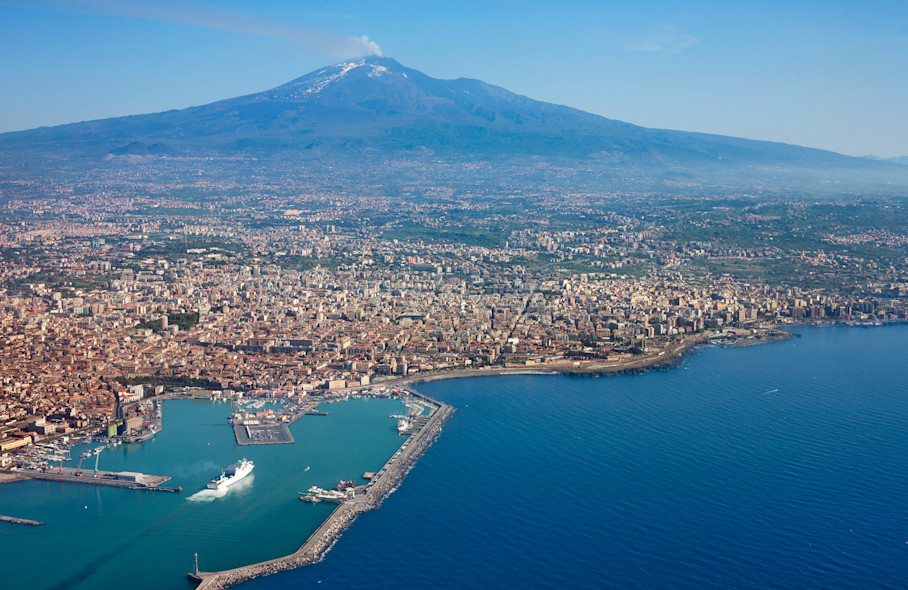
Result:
pixel 25 521
pixel 315 547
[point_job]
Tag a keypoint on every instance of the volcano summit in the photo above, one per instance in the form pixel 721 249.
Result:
pixel 370 114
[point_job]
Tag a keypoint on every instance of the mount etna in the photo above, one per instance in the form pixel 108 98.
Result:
pixel 375 119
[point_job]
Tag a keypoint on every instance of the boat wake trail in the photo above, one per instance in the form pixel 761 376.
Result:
pixel 206 495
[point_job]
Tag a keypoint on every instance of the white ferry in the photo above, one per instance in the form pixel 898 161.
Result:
pixel 231 475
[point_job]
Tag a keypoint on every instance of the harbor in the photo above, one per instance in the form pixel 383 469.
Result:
pixel 269 427
pixel 355 501
pixel 358 437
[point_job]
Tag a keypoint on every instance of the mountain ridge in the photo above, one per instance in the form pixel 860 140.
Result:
pixel 375 107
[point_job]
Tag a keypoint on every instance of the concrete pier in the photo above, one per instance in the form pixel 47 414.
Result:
pixel 262 434
pixel 112 479
pixel 384 482
pixel 25 521
pixel 253 432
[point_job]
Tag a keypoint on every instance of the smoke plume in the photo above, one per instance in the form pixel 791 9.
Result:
pixel 317 40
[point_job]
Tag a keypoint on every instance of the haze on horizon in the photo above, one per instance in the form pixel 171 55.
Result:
pixel 826 75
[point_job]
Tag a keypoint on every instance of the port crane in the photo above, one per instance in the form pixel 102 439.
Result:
pixel 79 467
pixel 51 458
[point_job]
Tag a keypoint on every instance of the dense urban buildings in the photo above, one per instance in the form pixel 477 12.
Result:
pixel 106 301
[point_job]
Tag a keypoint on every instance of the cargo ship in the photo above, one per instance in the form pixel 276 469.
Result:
pixel 231 475
pixel 144 437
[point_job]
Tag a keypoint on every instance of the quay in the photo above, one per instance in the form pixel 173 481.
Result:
pixel 113 479
pixel 25 521
pixel 271 432
pixel 382 484
pixel 262 434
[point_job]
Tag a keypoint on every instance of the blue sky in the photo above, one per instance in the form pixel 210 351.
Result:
pixel 826 74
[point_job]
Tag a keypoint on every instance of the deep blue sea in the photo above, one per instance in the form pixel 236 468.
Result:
pixel 777 466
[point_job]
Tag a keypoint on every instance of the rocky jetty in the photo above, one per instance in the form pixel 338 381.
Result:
pixel 337 522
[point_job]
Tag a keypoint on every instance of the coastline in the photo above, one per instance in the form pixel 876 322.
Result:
pixel 726 397
pixel 324 537
pixel 666 358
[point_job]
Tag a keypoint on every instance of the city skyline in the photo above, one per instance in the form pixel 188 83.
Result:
pixel 825 77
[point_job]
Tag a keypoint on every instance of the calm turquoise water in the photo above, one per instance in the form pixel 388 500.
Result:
pixel 99 538
pixel 780 466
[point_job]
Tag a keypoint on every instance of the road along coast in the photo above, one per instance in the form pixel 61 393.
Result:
pixel 666 357
pixel 324 537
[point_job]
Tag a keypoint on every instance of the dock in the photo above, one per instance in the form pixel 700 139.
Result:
pixel 370 498
pixel 262 434
pixel 24 521
pixel 113 479
pixel 273 430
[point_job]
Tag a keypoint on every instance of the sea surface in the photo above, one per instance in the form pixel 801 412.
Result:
pixel 775 466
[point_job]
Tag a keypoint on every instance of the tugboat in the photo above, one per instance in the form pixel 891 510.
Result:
pixel 344 484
